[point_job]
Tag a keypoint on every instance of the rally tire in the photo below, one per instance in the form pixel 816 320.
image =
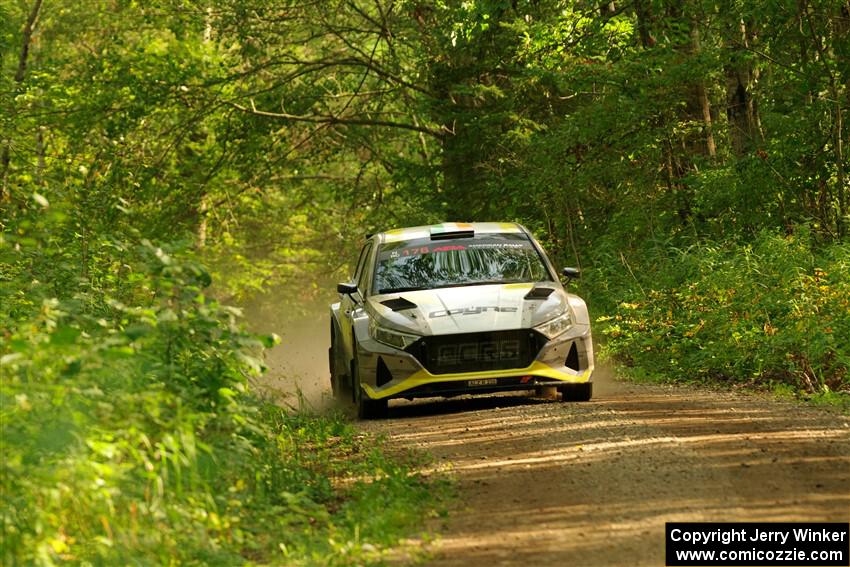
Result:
pixel 338 382
pixel 335 386
pixel 367 408
pixel 581 392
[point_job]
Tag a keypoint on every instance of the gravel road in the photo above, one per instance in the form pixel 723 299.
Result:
pixel 548 483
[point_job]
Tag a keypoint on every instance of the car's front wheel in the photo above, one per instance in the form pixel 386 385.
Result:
pixel 336 387
pixel 367 408
pixel 340 384
pixel 337 381
pixel 581 392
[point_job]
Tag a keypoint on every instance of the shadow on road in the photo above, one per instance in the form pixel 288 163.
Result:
pixel 446 406
pixel 549 483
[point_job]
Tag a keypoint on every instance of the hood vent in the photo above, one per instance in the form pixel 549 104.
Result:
pixel 399 304
pixel 539 293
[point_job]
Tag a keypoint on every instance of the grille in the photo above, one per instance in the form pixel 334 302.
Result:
pixel 473 352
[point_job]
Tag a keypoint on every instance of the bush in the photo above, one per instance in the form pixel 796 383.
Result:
pixel 770 312
pixel 130 437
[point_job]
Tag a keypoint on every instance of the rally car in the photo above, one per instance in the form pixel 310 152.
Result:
pixel 456 308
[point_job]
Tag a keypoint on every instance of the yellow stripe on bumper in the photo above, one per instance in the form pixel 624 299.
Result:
pixel 423 377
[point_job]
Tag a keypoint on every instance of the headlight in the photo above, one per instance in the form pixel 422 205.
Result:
pixel 392 338
pixel 556 326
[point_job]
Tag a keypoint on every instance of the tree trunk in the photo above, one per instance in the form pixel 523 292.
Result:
pixel 836 83
pixel 740 106
pixel 20 73
pixel 643 12
pixel 841 30
pixel 203 213
pixel 41 150
pixel 702 96
pixel 27 41
pixel 839 163
pixel 203 204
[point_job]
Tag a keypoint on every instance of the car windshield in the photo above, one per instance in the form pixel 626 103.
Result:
pixel 478 260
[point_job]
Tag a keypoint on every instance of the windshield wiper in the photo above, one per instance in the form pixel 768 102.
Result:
pixel 467 284
pixel 401 289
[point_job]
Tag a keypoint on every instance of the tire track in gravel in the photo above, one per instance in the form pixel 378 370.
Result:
pixel 548 483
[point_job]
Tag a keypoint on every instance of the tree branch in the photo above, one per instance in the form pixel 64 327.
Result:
pixel 439 134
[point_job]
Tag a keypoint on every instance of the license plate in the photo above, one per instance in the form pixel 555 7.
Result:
pixel 482 382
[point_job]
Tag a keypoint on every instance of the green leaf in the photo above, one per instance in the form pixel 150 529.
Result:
pixel 64 336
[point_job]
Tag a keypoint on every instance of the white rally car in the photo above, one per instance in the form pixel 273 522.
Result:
pixel 456 308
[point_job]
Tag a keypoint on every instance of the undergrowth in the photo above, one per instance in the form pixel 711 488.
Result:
pixel 770 314
pixel 130 436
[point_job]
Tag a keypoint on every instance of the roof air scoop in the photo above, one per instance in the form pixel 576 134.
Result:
pixel 399 304
pixel 539 293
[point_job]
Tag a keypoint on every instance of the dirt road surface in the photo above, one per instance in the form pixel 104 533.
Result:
pixel 543 483
pixel 548 483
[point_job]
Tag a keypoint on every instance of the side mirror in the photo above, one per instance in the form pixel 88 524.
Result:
pixel 346 288
pixel 571 273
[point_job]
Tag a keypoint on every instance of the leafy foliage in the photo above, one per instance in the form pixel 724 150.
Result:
pixel 129 436
pixel 762 313
pixel 160 159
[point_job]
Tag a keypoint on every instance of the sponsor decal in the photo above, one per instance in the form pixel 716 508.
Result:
pixel 449 248
pixel 471 311
pixel 415 251
pixel 420 250
pixel 485 351
pixel 501 245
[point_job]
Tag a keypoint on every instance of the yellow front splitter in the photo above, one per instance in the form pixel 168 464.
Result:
pixel 423 377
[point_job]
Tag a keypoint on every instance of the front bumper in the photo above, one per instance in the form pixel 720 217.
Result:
pixel 387 373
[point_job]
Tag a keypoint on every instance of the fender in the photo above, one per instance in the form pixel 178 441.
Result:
pixel 335 314
pixel 360 331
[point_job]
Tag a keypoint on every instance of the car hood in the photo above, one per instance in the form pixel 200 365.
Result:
pixel 467 309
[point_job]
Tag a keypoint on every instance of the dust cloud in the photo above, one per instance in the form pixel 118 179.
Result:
pixel 297 373
pixel 604 379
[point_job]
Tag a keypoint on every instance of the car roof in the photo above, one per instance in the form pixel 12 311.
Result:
pixel 425 231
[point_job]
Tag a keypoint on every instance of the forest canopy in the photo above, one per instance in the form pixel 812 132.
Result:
pixel 162 159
